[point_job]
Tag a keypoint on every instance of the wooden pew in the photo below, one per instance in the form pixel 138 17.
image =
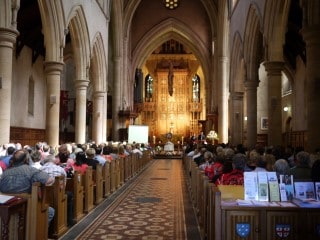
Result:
pixel 57 198
pixel 88 190
pixel 127 167
pixel 210 223
pixel 75 186
pixel 98 184
pixel 117 169
pixel 113 176
pixel 134 163
pixel 37 212
pixel 106 176
pixel 122 170
pixel 13 218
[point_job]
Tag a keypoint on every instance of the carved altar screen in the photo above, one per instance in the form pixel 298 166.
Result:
pixel 172 114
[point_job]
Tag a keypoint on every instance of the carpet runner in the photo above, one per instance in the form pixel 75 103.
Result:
pixel 154 206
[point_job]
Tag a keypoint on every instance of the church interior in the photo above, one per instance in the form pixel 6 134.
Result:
pixel 238 71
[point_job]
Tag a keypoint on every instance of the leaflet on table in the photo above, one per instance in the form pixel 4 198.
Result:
pixel 307 203
pixel 274 192
pixel 286 187
pixel 304 190
pixel 250 186
pixel 263 186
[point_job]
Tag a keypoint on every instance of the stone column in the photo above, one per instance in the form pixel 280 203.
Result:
pixel 274 102
pixel 53 75
pixel 7 40
pixel 311 36
pixel 223 101
pixel 116 100
pixel 236 106
pixel 98 117
pixel 81 110
pixel 251 94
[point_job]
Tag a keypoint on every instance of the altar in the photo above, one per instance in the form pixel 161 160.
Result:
pixel 168 147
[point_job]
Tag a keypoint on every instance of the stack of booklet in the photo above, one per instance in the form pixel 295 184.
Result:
pixel 263 188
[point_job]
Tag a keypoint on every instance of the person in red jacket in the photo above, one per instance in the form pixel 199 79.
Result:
pixel 235 177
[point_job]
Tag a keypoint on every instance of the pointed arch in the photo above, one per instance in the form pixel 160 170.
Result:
pixel 170 29
pixel 53 27
pixel 236 65
pixel 275 22
pixel 252 43
pixel 99 66
pixel 80 42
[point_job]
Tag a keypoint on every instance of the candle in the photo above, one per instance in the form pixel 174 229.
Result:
pixel 154 139
pixel 182 140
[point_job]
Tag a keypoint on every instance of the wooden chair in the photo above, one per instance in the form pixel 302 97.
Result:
pixel 57 198
pixel 75 186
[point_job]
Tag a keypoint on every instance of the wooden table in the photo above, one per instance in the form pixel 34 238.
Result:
pixel 17 206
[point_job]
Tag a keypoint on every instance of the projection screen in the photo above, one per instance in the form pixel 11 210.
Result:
pixel 138 134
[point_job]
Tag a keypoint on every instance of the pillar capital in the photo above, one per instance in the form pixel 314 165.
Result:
pixel 311 34
pixel 249 84
pixel 81 83
pixel 273 67
pixel 236 95
pixel 8 36
pixel 52 67
pixel 99 94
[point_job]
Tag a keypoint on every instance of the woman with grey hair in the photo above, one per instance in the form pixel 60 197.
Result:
pixel 281 167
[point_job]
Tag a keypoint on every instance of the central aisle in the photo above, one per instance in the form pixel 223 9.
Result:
pixel 154 205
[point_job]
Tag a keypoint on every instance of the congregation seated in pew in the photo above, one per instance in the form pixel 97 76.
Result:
pixel 20 177
pixel 55 170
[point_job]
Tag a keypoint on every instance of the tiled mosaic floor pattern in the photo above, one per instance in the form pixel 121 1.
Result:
pixel 151 207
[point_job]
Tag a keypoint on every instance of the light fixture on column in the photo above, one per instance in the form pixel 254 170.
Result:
pixel 286 109
pixel 171 4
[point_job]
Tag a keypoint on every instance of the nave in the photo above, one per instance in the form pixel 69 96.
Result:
pixel 155 204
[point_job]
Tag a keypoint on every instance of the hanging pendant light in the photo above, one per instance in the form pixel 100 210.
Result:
pixel 171 4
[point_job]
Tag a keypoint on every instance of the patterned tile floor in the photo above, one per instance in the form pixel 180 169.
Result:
pixel 155 205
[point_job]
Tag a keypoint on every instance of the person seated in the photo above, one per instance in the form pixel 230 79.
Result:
pixel 36 157
pixel 235 177
pixel 315 171
pixel 302 169
pixel 80 164
pixel 200 159
pixel 281 167
pixel 217 168
pixel 98 155
pixel 20 176
pixel 50 167
pixel 90 160
pixel 208 160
